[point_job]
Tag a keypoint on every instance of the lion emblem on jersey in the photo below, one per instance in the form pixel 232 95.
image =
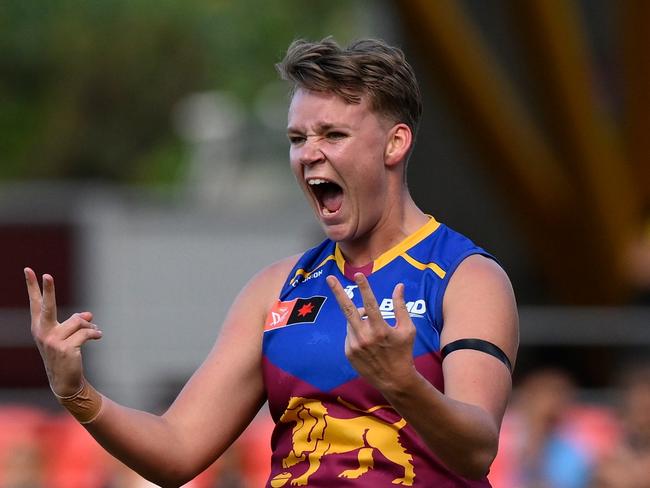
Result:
pixel 317 434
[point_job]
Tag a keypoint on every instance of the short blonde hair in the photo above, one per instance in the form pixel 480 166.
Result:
pixel 366 67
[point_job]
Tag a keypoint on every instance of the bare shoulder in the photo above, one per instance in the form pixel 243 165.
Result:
pixel 480 302
pixel 480 271
pixel 268 281
pixel 478 280
pixel 244 322
pixel 259 294
pixel 279 270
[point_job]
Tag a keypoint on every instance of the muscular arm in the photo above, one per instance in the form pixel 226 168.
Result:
pixel 462 425
pixel 479 303
pixel 213 408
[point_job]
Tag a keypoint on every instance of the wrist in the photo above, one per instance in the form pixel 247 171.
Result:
pixel 68 396
pixel 403 385
pixel 63 386
pixel 85 405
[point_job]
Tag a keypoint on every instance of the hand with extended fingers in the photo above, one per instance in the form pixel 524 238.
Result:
pixel 59 343
pixel 382 354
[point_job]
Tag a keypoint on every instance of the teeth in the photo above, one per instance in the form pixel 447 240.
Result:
pixel 316 181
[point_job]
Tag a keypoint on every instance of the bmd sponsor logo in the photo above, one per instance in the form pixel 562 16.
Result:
pixel 416 309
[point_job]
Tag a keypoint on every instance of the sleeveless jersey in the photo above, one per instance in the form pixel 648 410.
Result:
pixel 332 427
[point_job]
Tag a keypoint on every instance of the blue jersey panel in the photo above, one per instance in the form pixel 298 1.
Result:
pixel 307 375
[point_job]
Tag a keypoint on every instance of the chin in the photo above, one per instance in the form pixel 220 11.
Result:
pixel 336 233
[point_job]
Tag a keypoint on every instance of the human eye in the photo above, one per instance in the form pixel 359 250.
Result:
pixel 295 139
pixel 336 135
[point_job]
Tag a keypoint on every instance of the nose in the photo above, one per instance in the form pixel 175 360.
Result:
pixel 310 151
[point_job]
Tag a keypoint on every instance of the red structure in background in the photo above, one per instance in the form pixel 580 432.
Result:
pixel 47 248
pixel 38 448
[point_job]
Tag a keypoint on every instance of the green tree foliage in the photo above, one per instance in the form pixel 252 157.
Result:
pixel 87 87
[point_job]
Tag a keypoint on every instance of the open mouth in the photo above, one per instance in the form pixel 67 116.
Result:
pixel 328 194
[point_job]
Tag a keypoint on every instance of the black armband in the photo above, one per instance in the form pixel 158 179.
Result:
pixel 477 345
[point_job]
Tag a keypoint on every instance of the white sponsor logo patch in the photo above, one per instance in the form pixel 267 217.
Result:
pixel 277 317
pixel 349 290
pixel 416 309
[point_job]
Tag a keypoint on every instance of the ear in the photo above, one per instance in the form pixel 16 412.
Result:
pixel 399 142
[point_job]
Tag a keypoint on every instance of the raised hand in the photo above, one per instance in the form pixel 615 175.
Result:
pixel 382 354
pixel 59 343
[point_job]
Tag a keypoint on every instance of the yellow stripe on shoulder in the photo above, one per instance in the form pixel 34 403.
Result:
pixel 302 272
pixel 419 235
pixel 432 266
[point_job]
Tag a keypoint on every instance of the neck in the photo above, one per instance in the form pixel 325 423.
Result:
pixel 401 220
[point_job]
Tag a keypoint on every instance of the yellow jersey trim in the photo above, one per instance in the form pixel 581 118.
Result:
pixel 423 232
pixel 421 266
pixel 340 260
pixel 302 272
pixel 399 249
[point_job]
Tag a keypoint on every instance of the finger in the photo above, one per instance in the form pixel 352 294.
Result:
pixel 345 304
pixel 369 301
pixel 351 336
pixel 82 336
pixel 362 313
pixel 34 292
pixel 86 316
pixel 48 304
pixel 351 341
pixel 399 305
pixel 72 325
pixel 354 332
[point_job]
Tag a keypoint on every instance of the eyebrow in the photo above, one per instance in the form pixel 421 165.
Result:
pixel 320 128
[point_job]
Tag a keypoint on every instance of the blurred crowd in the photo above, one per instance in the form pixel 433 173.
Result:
pixel 550 439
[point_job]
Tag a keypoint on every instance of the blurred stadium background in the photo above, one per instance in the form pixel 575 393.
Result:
pixel 143 162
